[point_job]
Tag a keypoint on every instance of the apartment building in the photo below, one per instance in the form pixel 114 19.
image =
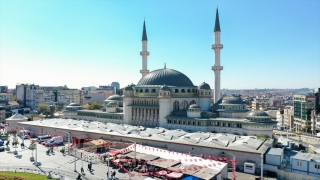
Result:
pixel 288 117
pixel 303 105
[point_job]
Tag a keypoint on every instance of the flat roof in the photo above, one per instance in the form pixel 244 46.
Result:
pixel 204 139
pixel 275 151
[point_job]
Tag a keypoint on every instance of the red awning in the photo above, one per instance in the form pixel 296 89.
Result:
pixel 113 153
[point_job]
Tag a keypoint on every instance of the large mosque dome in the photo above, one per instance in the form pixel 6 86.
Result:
pixel 165 76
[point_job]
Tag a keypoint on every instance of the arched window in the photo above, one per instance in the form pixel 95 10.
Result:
pixel 201 93
pixel 188 122
pixel 185 105
pixel 183 91
pixel 153 90
pixel 193 90
pixel 188 90
pixel 176 90
pixel 147 90
pixel 198 123
pixel 176 106
pixel 141 90
pixel 193 123
pixel 137 90
pixel 192 102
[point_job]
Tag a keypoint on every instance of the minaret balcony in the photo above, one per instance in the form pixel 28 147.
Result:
pixel 144 53
pixel 217 46
pixel 217 68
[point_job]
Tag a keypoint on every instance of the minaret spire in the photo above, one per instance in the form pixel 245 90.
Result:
pixel 217 23
pixel 144 53
pixel 217 68
pixel 144 32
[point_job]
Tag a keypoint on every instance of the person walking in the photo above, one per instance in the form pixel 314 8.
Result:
pixel 88 167
pixel 82 171
pixel 114 173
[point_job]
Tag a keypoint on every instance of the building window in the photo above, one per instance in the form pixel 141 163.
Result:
pixel 153 90
pixel 189 90
pixel 141 90
pixel 147 90
pixel 176 90
pixel 183 91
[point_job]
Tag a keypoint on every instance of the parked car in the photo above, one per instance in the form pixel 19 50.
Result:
pixel 54 141
pixel 44 138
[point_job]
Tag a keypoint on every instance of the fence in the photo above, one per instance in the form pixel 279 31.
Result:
pixel 85 156
pixel 56 175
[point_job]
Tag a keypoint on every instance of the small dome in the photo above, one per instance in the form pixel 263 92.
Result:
pixel 74 104
pixel 257 113
pixel 164 88
pixel 115 97
pixel 231 100
pixel 204 86
pixel 194 106
pixel 128 88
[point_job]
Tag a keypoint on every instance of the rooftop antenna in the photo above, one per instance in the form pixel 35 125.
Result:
pixel 165 66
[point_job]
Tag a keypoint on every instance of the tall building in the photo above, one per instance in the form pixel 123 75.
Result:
pixel 303 105
pixel 167 98
pixel 288 117
pixel 115 84
pixel 317 94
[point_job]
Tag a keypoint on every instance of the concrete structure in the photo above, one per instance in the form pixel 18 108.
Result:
pixel 274 156
pixel 89 88
pixel 306 163
pixel 3 89
pixel 33 95
pixel 6 96
pixel 303 105
pixel 244 148
pixel 93 96
pixel 116 85
pixel 280 117
pixel 288 117
pixel 2 114
pixel 260 104
pixel 217 68
pixel 13 121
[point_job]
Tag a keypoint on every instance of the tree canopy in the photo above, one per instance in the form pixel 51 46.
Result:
pixel 44 108
pixel 94 105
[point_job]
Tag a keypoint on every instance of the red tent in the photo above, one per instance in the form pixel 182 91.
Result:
pixel 113 153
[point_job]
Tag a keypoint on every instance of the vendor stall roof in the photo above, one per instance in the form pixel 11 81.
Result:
pixel 206 173
pixel 138 155
pixel 149 157
pixel 164 163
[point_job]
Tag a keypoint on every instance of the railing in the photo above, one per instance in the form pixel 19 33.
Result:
pixel 56 175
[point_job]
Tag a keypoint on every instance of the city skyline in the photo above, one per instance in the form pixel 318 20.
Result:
pixel 267 44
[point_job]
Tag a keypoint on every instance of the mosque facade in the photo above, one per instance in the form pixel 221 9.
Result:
pixel 167 98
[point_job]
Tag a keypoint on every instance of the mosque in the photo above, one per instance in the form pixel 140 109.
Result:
pixel 167 98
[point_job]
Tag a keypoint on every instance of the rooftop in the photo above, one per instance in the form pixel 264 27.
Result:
pixel 212 140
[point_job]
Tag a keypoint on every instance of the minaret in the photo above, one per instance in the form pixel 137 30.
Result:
pixel 144 53
pixel 217 68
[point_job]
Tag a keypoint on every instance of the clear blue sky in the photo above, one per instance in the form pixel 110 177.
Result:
pixel 267 44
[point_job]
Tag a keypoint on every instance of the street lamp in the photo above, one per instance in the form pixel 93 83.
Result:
pixel 22 137
pixel 68 139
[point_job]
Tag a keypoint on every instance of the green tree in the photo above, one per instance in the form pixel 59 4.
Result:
pixel 262 137
pixel 43 109
pixel 94 105
pixel 14 97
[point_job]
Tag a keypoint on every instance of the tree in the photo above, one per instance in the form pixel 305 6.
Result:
pixel 30 117
pixel 263 137
pixel 14 97
pixel 94 105
pixel 43 109
pixel 32 147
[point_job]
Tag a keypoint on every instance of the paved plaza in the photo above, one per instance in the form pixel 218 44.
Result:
pixel 58 164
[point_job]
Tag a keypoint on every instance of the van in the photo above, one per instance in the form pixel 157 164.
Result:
pixel 54 141
pixel 44 138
